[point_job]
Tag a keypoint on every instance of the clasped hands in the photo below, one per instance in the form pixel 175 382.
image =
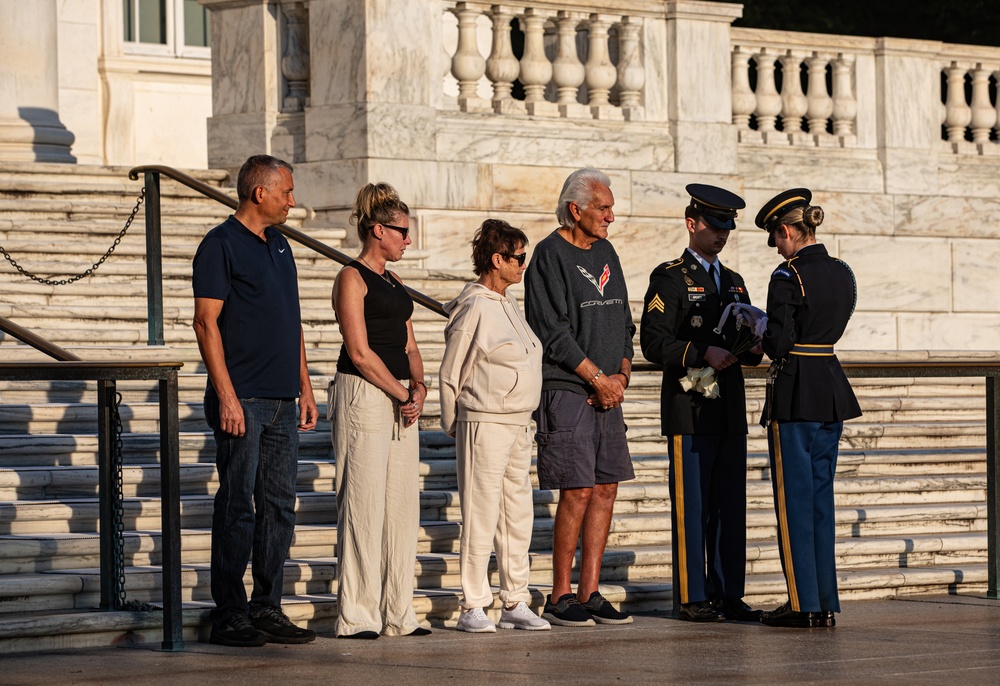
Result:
pixel 413 405
pixel 609 391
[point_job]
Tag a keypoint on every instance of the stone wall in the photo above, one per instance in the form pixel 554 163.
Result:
pixel 74 91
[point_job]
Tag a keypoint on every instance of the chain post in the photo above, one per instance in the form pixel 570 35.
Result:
pixel 106 392
pixel 119 509
pixel 154 259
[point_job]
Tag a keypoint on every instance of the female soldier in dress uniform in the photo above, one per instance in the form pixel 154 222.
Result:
pixel 810 299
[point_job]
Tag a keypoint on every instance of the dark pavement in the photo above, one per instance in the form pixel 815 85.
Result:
pixel 921 640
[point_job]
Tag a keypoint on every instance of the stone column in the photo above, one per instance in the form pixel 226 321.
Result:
pixel 30 129
pixel 375 69
pixel 699 91
pixel 246 80
pixel 908 92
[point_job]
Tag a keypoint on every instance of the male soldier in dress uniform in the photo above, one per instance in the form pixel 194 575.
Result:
pixel 707 435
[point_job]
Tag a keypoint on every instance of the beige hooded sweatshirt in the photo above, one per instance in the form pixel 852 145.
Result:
pixel 492 365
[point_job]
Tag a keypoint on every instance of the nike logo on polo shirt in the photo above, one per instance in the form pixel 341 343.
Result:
pixel 281 250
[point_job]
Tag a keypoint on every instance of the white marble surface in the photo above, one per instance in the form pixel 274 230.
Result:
pixel 244 71
pixel 910 170
pixel 705 147
pixel 833 169
pixel 700 69
pixel 662 193
pixel 900 274
pixel 949 331
pixel 976 286
pixel 80 94
pixel 909 83
pixel 935 215
pixel 553 142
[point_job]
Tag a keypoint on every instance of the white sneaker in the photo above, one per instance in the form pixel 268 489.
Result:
pixel 476 622
pixel 521 617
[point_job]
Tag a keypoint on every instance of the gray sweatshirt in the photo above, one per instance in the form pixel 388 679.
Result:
pixel 577 303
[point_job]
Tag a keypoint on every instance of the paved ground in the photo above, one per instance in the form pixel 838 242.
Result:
pixel 928 640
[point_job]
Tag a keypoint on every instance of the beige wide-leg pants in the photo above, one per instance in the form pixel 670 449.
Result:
pixel 378 509
pixel 495 493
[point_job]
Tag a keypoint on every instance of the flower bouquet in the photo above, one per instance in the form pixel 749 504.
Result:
pixel 751 322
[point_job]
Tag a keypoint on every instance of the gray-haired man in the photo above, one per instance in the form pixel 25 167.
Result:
pixel 577 303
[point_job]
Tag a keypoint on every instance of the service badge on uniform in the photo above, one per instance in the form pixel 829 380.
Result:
pixel 696 321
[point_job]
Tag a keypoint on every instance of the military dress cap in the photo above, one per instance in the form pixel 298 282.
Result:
pixel 778 206
pixel 717 206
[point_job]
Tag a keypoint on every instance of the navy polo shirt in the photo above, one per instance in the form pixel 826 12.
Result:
pixel 260 319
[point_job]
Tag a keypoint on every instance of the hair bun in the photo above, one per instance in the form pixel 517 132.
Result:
pixel 812 216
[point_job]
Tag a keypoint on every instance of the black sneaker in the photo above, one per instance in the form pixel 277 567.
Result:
pixel 272 623
pixel 567 611
pixel 237 631
pixel 604 612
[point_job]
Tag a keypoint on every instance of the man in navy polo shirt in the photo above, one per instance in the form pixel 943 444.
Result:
pixel 246 318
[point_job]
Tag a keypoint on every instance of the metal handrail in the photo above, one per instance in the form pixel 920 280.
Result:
pixel 154 251
pixel 107 375
pixel 940 368
pixel 35 341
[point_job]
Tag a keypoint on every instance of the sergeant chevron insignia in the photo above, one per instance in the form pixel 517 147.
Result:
pixel 655 304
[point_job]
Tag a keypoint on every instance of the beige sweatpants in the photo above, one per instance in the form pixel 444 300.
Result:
pixel 495 493
pixel 378 509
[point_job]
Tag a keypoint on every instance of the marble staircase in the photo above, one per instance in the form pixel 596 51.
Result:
pixel 911 513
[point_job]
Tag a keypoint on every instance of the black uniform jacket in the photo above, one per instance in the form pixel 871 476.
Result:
pixel 809 301
pixel 680 311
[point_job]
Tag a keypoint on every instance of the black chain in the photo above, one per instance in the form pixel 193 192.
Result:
pixel 62 282
pixel 119 524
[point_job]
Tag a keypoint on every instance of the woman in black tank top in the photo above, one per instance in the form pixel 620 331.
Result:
pixel 373 404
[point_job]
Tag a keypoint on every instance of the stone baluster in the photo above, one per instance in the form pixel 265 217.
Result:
pixel 958 114
pixel 744 100
pixel 820 102
pixel 502 67
pixel 568 71
pixel 768 99
pixel 845 105
pixel 601 74
pixel 983 115
pixel 793 101
pixel 468 64
pixel 631 73
pixel 536 70
pixel 295 61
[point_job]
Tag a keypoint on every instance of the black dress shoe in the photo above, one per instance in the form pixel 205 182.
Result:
pixel 736 610
pixel 824 619
pixel 787 617
pixel 700 612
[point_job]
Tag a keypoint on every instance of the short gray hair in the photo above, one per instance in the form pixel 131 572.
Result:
pixel 579 188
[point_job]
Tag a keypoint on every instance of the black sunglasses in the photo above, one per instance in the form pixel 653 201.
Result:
pixel 404 230
pixel 520 257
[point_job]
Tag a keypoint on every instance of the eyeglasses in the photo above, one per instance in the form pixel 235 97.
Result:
pixel 403 230
pixel 520 257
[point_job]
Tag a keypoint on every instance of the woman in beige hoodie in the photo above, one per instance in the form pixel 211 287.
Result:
pixel 491 381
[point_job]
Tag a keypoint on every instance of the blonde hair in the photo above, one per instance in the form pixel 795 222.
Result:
pixel 376 203
pixel 803 219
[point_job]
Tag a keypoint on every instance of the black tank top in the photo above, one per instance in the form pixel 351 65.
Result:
pixel 387 308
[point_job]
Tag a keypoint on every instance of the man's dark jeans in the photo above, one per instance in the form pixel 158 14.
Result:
pixel 255 503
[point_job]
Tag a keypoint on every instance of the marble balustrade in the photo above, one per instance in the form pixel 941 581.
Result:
pixel 583 62
pixel 787 91
pixel 970 109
